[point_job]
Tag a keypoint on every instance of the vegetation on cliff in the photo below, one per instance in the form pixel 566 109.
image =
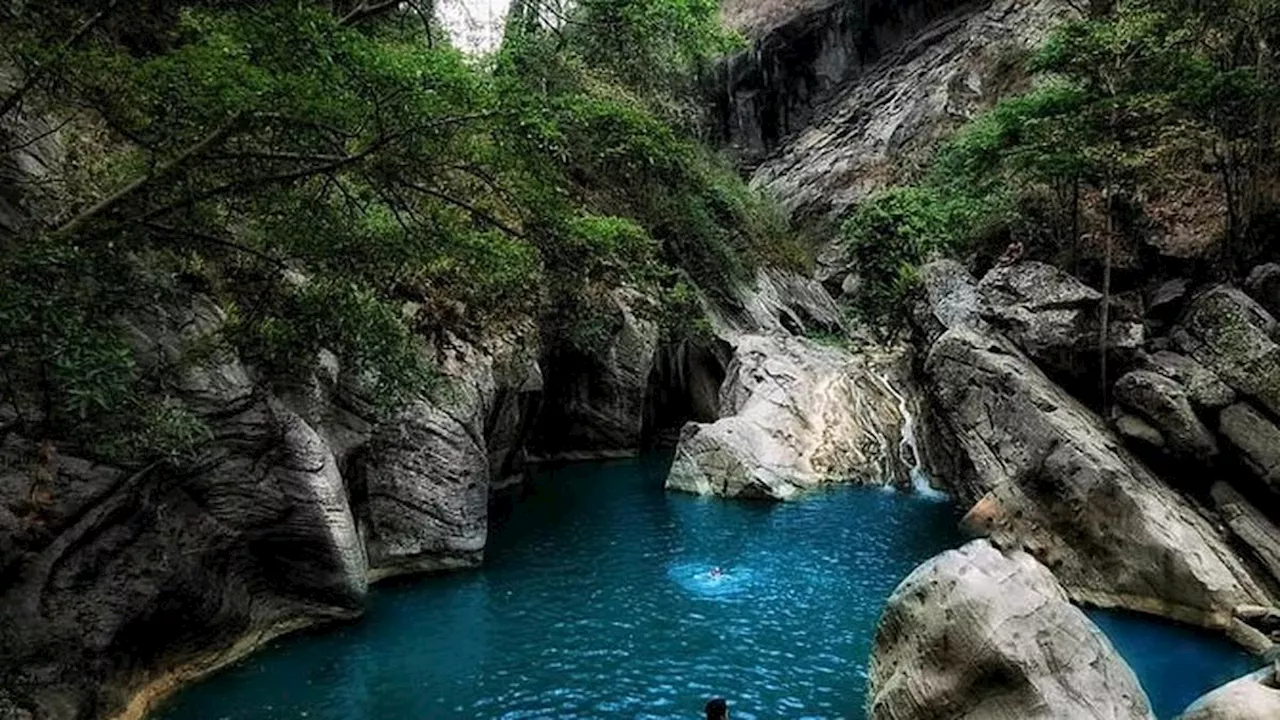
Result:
pixel 336 176
pixel 1149 121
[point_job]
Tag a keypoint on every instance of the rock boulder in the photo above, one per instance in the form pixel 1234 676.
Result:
pixel 1052 316
pixel 1167 406
pixel 1263 285
pixel 1232 335
pixel 1070 494
pixel 1205 389
pixel 794 414
pixel 1256 439
pixel 1253 697
pixel 979 634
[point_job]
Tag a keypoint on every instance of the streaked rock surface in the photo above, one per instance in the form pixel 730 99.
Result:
pixel 979 634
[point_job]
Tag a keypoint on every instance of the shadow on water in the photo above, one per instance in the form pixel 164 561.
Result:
pixel 604 596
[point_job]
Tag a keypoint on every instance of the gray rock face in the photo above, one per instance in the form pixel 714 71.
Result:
pixel 979 634
pixel 425 477
pixel 802 51
pixel 932 66
pixel 31 151
pixel 128 583
pixel 594 405
pixel 1051 315
pixel 426 484
pixel 1263 285
pixel 1250 526
pixel 1257 439
pixel 777 302
pixel 1066 490
pixel 148 572
pixel 1253 697
pixel 793 414
pixel 1232 335
pixel 1205 389
pixel 951 299
pixel 1167 406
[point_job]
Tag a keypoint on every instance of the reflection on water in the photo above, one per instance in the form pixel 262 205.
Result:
pixel 601 598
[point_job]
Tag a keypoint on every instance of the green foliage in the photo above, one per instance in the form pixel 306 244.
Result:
pixel 896 230
pixel 64 355
pixel 682 317
pixel 349 186
pixel 1125 103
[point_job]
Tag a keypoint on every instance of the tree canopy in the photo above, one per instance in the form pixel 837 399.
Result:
pixel 337 176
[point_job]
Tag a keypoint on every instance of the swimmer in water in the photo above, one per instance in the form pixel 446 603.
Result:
pixel 716 572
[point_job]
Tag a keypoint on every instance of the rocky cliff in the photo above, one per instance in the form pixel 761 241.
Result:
pixel 123 583
pixel 837 99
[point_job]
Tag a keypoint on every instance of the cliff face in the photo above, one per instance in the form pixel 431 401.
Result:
pixel 120 584
pixel 123 583
pixel 838 99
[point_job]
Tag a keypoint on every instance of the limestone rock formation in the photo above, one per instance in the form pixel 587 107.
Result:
pixel 1205 389
pixel 950 298
pixel 1167 406
pixel 979 634
pixel 123 574
pixel 129 582
pixel 776 302
pixel 423 481
pixel 882 82
pixel 1070 494
pixel 1256 438
pixel 1263 285
pixel 1253 697
pixel 598 406
pixel 595 402
pixel 1051 315
pixel 793 414
pixel 1229 333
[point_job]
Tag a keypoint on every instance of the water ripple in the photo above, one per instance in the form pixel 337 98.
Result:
pixel 605 597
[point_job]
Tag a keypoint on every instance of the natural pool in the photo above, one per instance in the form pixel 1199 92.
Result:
pixel 599 600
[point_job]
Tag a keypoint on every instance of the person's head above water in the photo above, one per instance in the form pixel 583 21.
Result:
pixel 717 709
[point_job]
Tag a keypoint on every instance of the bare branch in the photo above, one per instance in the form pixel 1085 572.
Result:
pixel 214 240
pixel 32 141
pixel 475 211
pixel 132 188
pixel 366 10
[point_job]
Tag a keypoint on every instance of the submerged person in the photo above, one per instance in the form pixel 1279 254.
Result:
pixel 717 709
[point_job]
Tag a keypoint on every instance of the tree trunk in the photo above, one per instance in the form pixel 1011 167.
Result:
pixel 1105 331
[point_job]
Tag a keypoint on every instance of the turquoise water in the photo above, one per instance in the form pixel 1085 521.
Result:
pixel 601 598
pixel 1176 664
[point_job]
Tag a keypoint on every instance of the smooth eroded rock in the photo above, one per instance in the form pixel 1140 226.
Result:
pixel 979 634
pixel 1232 335
pixel 793 414
pixel 1167 406
pixel 1071 495
pixel 1253 697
